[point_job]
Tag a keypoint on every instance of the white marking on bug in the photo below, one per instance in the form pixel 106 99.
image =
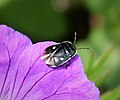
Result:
pixel 56 59
pixel 45 56
pixel 67 52
pixel 48 61
pixel 54 47
pixel 61 58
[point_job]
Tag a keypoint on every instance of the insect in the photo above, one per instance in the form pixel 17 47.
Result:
pixel 58 54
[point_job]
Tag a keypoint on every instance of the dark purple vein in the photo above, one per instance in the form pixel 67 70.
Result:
pixel 13 85
pixel 55 91
pixel 26 76
pixel 6 73
pixel 35 84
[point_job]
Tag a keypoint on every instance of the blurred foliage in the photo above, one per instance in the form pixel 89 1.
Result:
pixel 100 58
pixel 110 11
pixel 37 19
pixel 112 94
pixel 49 20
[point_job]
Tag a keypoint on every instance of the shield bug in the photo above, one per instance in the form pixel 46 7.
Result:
pixel 58 54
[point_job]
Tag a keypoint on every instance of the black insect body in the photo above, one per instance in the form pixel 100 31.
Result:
pixel 59 54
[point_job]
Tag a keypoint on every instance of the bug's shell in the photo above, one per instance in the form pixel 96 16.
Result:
pixel 59 54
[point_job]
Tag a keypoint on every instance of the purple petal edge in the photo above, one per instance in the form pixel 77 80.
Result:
pixel 29 78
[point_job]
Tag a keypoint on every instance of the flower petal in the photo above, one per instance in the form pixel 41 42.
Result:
pixel 33 79
pixel 12 43
pixel 24 75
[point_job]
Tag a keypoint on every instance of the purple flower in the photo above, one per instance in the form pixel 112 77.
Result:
pixel 24 76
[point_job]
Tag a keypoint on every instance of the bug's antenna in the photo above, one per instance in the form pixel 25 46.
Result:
pixel 75 42
pixel 75 38
pixel 82 48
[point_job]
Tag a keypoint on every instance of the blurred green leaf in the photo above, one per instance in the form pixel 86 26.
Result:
pixel 112 94
pixel 3 3
pixel 89 63
pixel 98 67
pixel 102 77
pixel 102 59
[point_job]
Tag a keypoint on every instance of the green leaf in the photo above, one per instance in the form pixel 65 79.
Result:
pixel 101 78
pixel 89 63
pixel 112 94
pixel 102 59
pixel 4 3
pixel 98 66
